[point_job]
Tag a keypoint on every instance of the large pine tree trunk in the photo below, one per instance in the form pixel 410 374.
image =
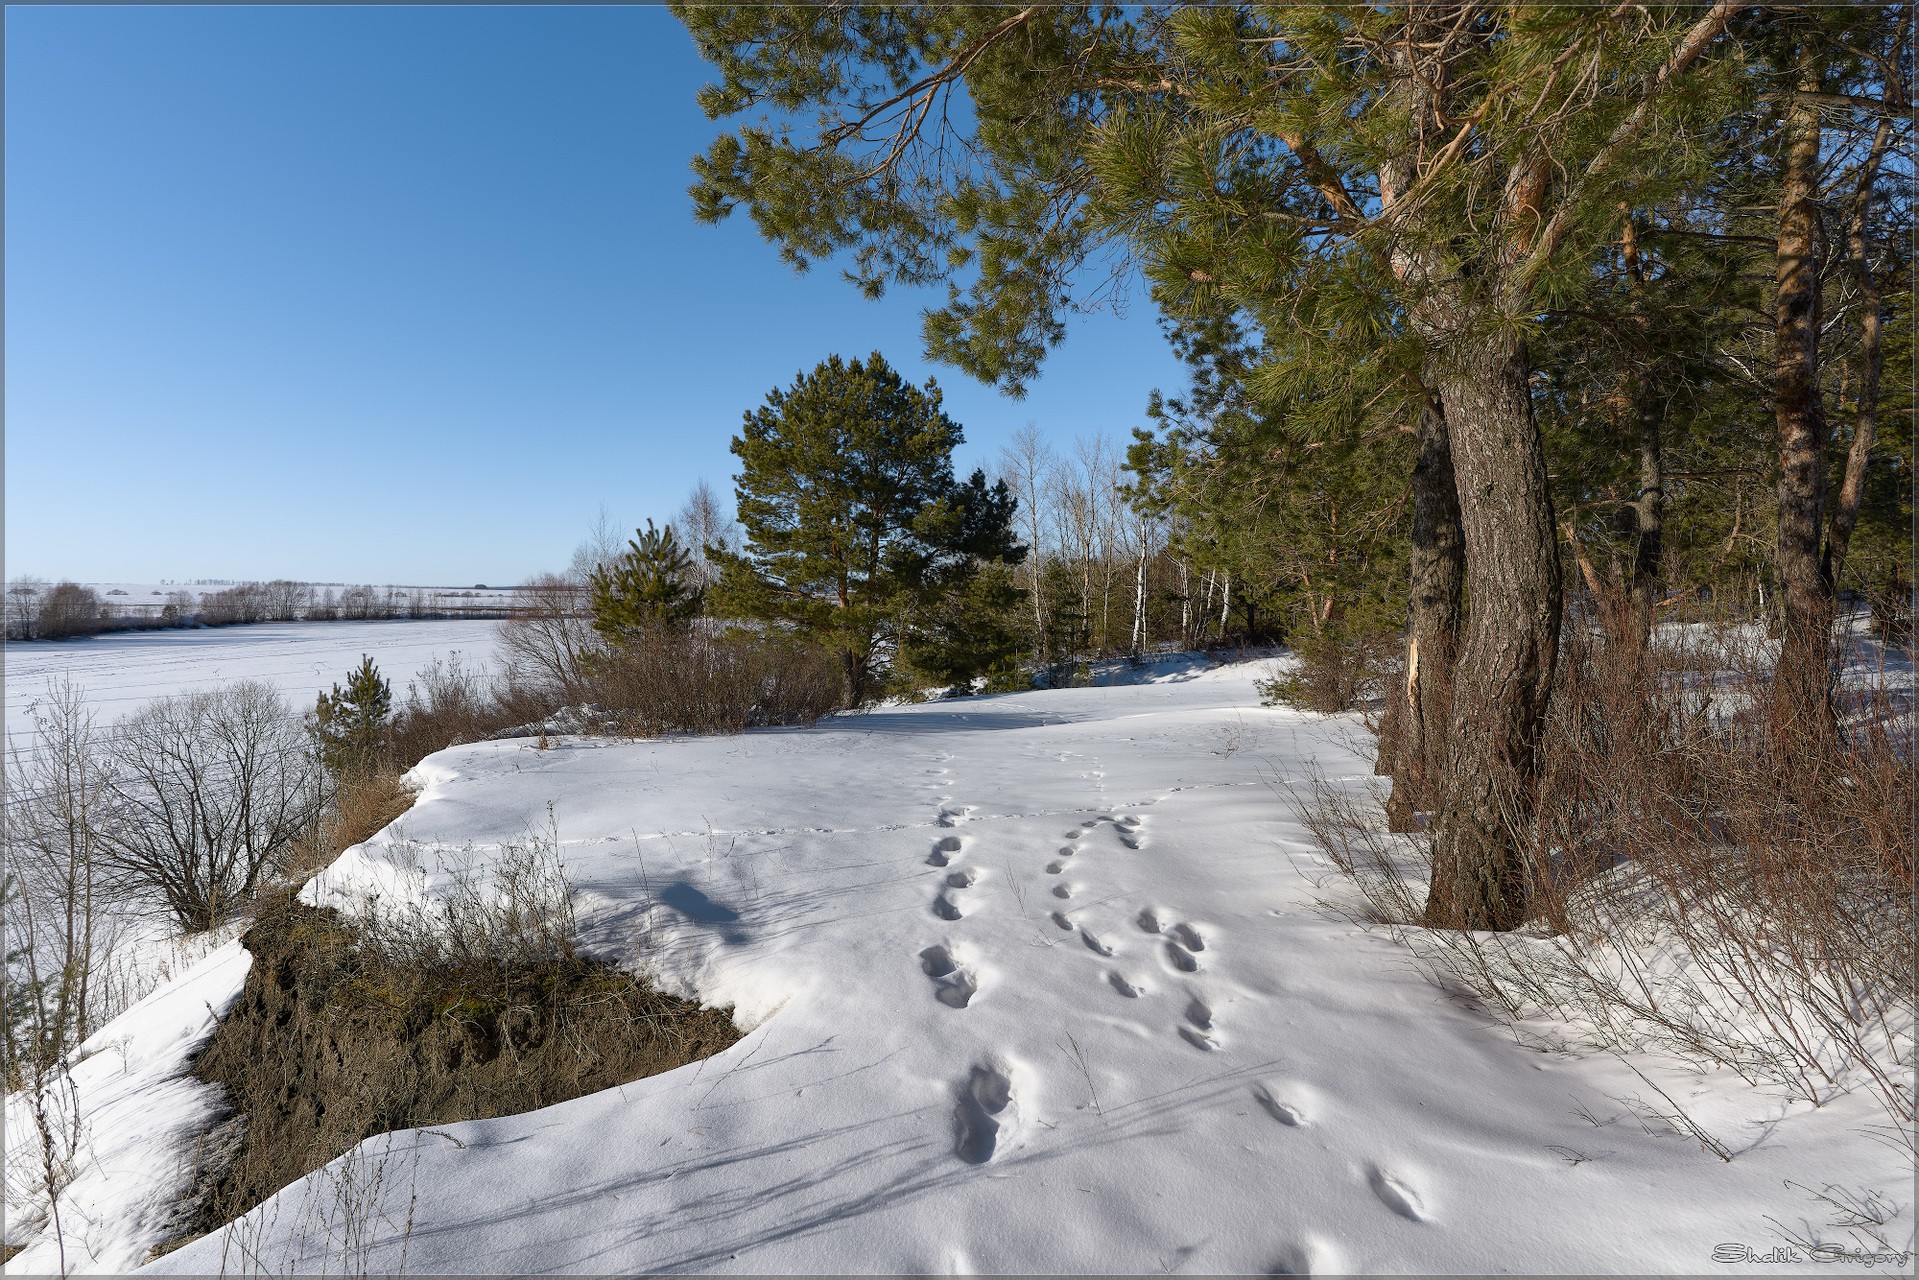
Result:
pixel 1503 676
pixel 1802 682
pixel 1438 565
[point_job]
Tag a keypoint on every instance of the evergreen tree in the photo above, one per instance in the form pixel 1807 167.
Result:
pixel 855 528
pixel 651 585
pixel 351 724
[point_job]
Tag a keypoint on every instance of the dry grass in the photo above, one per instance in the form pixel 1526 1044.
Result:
pixel 362 806
pixel 477 1007
pixel 1705 881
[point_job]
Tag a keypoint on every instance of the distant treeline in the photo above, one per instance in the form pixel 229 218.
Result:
pixel 37 611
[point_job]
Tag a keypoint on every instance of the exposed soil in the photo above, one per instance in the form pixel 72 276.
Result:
pixel 337 1037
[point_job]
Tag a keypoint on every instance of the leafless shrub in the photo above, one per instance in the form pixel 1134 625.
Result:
pixel 23 607
pixel 69 609
pixel 700 680
pixel 56 922
pixel 208 790
pixel 449 703
pixel 247 603
pixel 548 639
pixel 1706 880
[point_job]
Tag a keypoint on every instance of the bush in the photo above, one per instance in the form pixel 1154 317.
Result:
pixel 548 638
pixel 449 703
pixel 69 609
pixel 697 680
pixel 1335 672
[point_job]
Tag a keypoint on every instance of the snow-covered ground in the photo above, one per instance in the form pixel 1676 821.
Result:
pixel 1034 983
pixel 123 671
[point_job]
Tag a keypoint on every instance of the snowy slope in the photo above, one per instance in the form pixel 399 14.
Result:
pixel 1034 984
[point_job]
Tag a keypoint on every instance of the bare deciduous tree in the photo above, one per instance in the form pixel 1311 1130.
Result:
pixel 209 789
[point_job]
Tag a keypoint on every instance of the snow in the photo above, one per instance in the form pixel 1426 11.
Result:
pixel 123 671
pixel 142 1115
pixel 1032 983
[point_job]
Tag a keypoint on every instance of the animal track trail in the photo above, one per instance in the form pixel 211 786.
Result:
pixel 953 985
pixel 943 850
pixel 1396 1193
pixel 984 1099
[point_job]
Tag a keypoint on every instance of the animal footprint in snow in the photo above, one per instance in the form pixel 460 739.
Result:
pixel 1121 985
pixel 1188 937
pixel 1070 835
pixel 945 908
pixel 952 985
pixel 1181 959
pixel 1067 851
pixel 953 816
pixel 1394 1192
pixel 1063 890
pixel 1149 920
pixel 943 850
pixel 1055 867
pixel 1287 1113
pixel 1197 1038
pixel 983 1100
pixel 1199 1015
pixel 1093 943
pixel 963 878
pixel 1059 918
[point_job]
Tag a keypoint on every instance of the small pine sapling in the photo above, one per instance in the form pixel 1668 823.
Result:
pixel 652 585
pixel 350 725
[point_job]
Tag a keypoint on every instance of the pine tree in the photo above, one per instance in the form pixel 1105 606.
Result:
pixel 855 527
pixel 652 585
pixel 351 724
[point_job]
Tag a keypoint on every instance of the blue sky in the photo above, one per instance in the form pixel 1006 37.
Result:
pixel 404 295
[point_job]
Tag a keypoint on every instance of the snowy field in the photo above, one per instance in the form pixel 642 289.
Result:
pixel 1034 983
pixel 123 671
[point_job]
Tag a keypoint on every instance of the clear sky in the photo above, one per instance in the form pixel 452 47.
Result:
pixel 404 295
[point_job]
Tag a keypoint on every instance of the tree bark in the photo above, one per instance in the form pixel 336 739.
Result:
pixel 1438 566
pixel 1845 510
pixel 1503 676
pixel 1802 682
pixel 1649 506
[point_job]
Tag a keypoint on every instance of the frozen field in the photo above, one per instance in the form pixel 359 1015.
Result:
pixel 1035 983
pixel 123 671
